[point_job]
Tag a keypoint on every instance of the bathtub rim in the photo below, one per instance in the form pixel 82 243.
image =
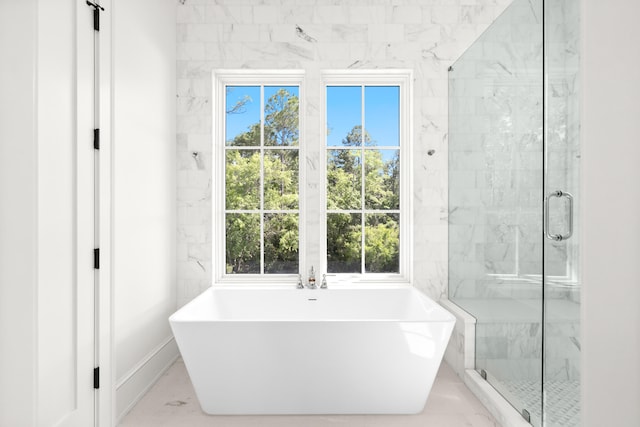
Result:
pixel 444 316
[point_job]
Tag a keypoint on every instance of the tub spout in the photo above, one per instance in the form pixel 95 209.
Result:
pixel 312 279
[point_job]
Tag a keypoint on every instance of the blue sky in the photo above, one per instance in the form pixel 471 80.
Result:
pixel 381 107
pixel 239 123
pixel 344 111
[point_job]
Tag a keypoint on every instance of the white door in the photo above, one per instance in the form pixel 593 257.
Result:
pixel 66 302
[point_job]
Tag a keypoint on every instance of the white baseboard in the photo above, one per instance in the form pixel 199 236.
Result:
pixel 135 383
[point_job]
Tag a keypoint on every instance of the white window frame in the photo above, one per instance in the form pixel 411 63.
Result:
pixel 222 79
pixel 387 77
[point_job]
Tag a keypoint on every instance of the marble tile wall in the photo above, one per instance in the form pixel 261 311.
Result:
pixel 512 351
pixel 424 35
pixel 495 160
pixel 563 136
pixel 496 155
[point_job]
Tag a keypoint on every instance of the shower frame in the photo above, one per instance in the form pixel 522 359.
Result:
pixel 513 192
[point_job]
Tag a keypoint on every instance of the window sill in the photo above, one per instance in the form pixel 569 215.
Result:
pixel 289 280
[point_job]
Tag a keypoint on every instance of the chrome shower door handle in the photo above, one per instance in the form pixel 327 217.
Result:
pixel 547 233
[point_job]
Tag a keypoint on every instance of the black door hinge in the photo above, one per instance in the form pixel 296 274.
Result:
pixel 96 377
pixel 96 258
pixel 96 139
pixel 96 14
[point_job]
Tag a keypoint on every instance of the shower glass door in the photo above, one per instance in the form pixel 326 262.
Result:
pixel 513 195
pixel 561 369
pixel 496 201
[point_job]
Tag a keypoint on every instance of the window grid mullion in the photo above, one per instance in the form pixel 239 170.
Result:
pixel 222 80
pixel 263 149
pixel 281 147
pixel 242 148
pixel 261 179
pixel 362 182
pixel 366 211
pixel 266 211
pixel 372 148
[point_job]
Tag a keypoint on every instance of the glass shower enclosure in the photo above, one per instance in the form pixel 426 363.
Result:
pixel 513 200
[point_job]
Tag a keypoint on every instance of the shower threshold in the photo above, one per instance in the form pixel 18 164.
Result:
pixel 525 395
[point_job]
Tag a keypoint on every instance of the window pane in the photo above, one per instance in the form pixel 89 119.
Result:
pixel 344 116
pixel 242 117
pixel 382 115
pixel 382 179
pixel 242 176
pixel 243 243
pixel 280 243
pixel 281 115
pixel 382 243
pixel 281 179
pixel 344 243
pixel 344 177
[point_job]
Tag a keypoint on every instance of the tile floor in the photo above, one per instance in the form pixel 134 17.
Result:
pixel 171 402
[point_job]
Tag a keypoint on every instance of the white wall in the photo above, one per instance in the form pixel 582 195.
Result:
pixel 18 212
pixel 611 213
pixel 42 194
pixel 144 196
pixel 46 283
pixel 65 304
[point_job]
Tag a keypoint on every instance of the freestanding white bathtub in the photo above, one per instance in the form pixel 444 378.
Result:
pixel 301 351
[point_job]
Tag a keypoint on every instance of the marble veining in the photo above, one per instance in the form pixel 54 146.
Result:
pixel 304 36
pixel 425 36
pixel 172 402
